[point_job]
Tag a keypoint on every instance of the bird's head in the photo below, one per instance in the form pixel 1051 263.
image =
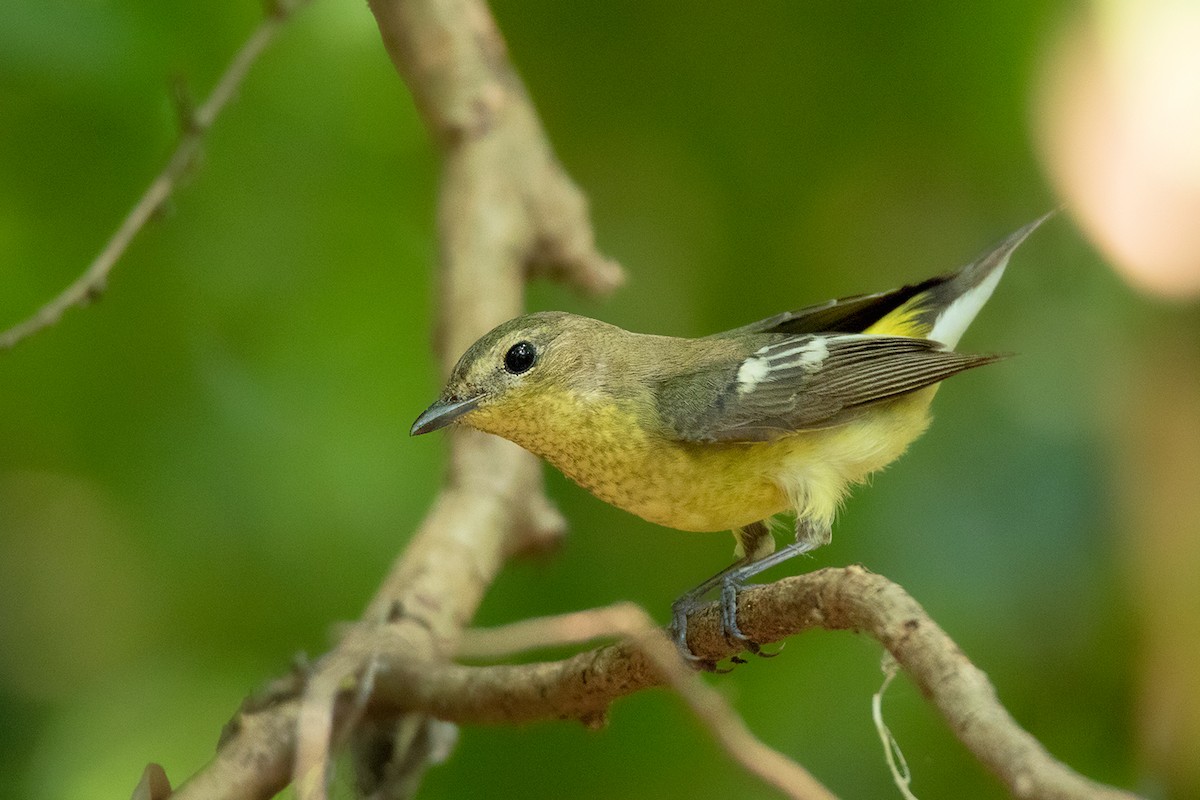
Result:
pixel 506 375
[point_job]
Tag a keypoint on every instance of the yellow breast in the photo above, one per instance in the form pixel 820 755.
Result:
pixel 708 486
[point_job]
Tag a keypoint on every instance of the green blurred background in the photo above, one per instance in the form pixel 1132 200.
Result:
pixel 204 472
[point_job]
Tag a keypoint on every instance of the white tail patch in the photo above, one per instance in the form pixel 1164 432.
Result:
pixel 953 321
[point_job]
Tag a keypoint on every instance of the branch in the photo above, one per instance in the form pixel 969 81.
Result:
pixel 639 632
pixel 584 686
pixel 506 210
pixel 850 599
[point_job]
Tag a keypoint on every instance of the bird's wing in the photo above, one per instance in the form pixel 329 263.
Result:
pixel 803 383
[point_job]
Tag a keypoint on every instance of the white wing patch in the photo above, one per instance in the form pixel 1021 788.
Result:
pixel 751 373
pixel 814 353
pixel 766 362
pixel 809 355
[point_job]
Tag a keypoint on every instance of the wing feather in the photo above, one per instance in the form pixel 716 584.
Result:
pixel 807 382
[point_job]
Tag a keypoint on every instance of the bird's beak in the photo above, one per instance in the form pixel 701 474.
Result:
pixel 442 413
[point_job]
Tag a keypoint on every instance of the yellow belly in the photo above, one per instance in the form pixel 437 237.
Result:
pixel 715 486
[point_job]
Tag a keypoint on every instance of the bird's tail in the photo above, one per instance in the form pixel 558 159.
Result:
pixel 944 309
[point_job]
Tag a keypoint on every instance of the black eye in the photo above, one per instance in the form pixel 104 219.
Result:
pixel 520 358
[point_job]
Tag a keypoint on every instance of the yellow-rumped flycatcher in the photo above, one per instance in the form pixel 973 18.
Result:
pixel 726 431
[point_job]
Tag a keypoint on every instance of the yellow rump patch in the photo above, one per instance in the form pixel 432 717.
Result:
pixel 905 320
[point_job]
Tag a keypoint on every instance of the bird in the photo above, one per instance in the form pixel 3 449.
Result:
pixel 727 431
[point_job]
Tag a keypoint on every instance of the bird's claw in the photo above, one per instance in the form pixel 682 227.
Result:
pixel 729 625
pixel 678 631
pixel 729 630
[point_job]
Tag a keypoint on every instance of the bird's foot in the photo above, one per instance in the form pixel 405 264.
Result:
pixel 729 624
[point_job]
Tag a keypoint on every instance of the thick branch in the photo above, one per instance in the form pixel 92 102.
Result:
pixel 506 208
pixel 833 599
pixel 582 687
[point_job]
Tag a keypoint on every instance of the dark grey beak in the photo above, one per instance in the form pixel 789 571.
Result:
pixel 441 414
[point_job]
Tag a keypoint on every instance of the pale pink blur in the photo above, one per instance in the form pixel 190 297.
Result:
pixel 1118 124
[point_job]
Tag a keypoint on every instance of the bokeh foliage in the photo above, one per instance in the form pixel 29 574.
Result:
pixel 205 471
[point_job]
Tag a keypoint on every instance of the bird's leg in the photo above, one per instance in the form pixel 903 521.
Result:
pixel 810 535
pixel 752 540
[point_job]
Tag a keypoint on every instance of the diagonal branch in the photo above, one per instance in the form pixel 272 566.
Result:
pixel 89 286
pixel 506 209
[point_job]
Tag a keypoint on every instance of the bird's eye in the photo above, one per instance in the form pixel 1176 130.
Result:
pixel 520 358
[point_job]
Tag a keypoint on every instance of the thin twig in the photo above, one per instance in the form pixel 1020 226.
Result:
pixel 89 286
